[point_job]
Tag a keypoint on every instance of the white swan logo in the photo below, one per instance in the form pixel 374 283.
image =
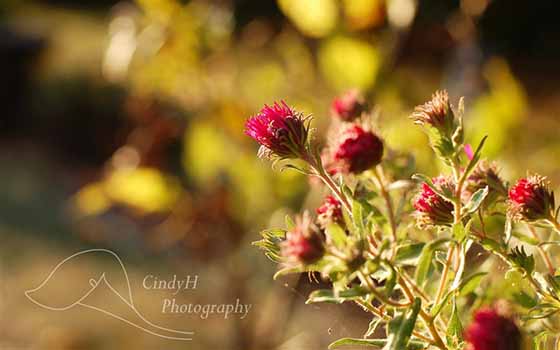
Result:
pixel 147 327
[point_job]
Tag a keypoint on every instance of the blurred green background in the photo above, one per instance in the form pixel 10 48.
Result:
pixel 122 128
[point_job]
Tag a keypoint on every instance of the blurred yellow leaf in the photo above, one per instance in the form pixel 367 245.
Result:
pixel 143 188
pixel 91 199
pixel 315 18
pixel 348 62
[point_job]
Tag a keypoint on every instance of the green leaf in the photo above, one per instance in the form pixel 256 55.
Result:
pixel 290 225
pixel 525 300
pixel 540 339
pixel 475 158
pixel 459 232
pixel 470 283
pixel 518 258
pixel 425 259
pixel 378 343
pixel 329 296
pixel 373 325
pixel 508 228
pixel 358 215
pixel 409 253
pixel 476 200
pixel 527 239
pixel 336 235
pixel 400 339
pixel 271 243
pixel 287 271
pixel 454 328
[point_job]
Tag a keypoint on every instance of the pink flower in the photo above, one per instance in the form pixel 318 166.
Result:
pixel 358 150
pixel 469 151
pixel 304 242
pixel 348 106
pixel 531 199
pixel 431 208
pixel 330 211
pixel 280 130
pixel 491 331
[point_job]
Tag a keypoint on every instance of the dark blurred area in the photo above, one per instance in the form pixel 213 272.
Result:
pixel 122 128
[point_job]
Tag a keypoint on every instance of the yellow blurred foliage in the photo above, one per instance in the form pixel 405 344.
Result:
pixel 314 18
pixel 346 62
pixel 500 111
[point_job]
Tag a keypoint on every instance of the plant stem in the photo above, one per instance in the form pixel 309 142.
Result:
pixel 325 177
pixel 385 300
pixel 444 274
pixel 544 254
pixel 555 224
pixel 388 202
pixel 429 320
pixel 382 315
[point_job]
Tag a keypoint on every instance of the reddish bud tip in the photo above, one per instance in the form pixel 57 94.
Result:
pixel 530 199
pixel 304 242
pixel 348 106
pixel 431 208
pixel 491 331
pixel 330 211
pixel 358 150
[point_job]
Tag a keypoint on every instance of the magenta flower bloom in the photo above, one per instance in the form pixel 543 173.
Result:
pixel 330 211
pixel 280 130
pixel 491 331
pixel 531 199
pixel 431 208
pixel 348 106
pixel 358 150
pixel 304 243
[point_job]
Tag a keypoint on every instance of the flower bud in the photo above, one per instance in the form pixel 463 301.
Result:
pixel 531 199
pixel 357 150
pixel 491 331
pixel 329 212
pixel 436 112
pixel 348 106
pixel 304 243
pixel 280 130
pixel 485 174
pixel 444 132
pixel 431 208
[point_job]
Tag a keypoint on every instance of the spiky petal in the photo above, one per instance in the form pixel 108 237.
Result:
pixel 280 130
pixel 436 112
pixel 531 199
pixel 431 208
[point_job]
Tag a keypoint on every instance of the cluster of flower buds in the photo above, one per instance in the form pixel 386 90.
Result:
pixel 304 243
pixel 349 106
pixel 485 174
pixel 329 212
pixel 431 208
pixel 280 130
pixel 490 330
pixel 531 199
